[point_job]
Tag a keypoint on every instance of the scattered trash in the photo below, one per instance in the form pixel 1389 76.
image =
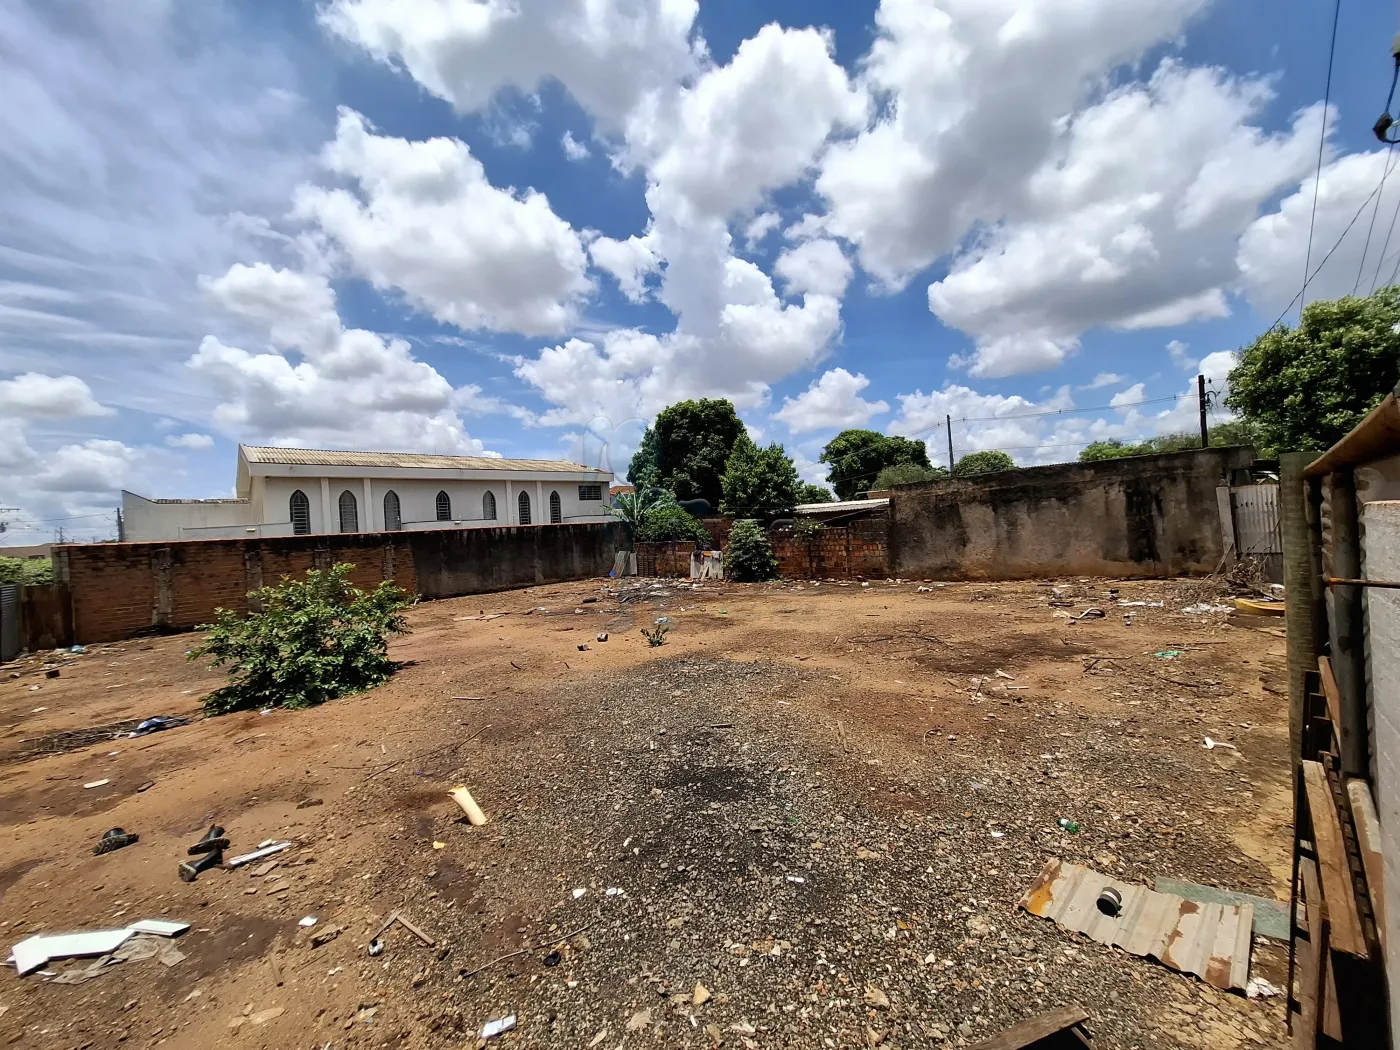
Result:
pixel 1270 916
pixel 78 649
pixel 583 647
pixel 376 946
pixel 33 952
pixel 1072 826
pixel 1042 1030
pixel 259 854
pixel 1206 607
pixel 553 958
pixel 998 834
pixel 327 935
pixel 308 803
pixel 1208 940
pixel 925 590
pixel 1142 605
pixel 603 637
pixel 1089 614
pixel 612 891
pixel 213 841
pixel 97 784
pixel 1259 988
pixel 1169 654
pixel 491 1029
pixel 797 879
pixel 309 920
pixel 579 891
pixel 146 786
pixel 114 839
pixel 475 816
pixel 439 845
pixel 1211 745
pixel 1110 901
pixel 663 619
pixel 157 724
pixel 52 672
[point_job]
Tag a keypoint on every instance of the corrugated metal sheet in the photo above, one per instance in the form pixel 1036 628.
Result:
pixel 840 506
pixel 1257 519
pixel 313 457
pixel 9 621
pixel 1211 941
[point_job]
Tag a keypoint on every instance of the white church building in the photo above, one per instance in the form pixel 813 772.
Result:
pixel 296 491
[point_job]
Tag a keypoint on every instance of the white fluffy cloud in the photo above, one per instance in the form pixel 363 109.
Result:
pixel 609 55
pixel 1129 222
pixel 831 402
pixel 350 388
pixel 573 149
pixel 34 396
pixel 816 266
pixel 1273 249
pixel 630 262
pixel 192 442
pixel 427 222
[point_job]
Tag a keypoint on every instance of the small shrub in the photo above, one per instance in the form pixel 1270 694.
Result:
pixel 656 636
pixel 807 527
pixel 749 555
pixel 316 639
pixel 27 572
pixel 669 521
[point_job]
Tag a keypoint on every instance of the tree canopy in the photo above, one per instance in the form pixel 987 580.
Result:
pixel 810 493
pixel 1303 388
pixel 855 457
pixel 687 449
pixel 758 482
pixel 1235 432
pixel 983 463
pixel 906 474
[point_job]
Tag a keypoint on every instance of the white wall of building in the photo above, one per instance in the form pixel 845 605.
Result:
pixel 144 519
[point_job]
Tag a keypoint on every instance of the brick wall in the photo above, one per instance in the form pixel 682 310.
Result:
pixel 669 558
pixel 860 548
pixel 122 589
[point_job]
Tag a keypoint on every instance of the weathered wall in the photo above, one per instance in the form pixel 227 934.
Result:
pixel 122 589
pixel 46 617
pixel 860 548
pixel 668 558
pixel 1139 516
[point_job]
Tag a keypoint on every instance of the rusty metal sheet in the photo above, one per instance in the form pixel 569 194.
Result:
pixel 1211 941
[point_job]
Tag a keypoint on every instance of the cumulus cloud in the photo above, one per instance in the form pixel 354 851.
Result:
pixel 427 222
pixel 350 388
pixel 33 396
pixel 760 226
pixel 815 266
pixel 1102 380
pixel 831 402
pixel 630 262
pixel 573 149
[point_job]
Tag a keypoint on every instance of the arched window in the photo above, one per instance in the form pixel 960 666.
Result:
pixel 444 507
pixel 301 513
pixel 524 502
pixel 556 509
pixel 488 506
pixel 349 512
pixel 393 516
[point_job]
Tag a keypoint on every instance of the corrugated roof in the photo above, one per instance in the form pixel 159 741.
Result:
pixel 316 457
pixel 1209 940
pixel 840 506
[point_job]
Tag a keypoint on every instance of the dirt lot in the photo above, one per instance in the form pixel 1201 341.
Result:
pixel 820 802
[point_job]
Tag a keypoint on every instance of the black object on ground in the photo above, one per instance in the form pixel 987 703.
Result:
pixel 114 838
pixel 191 870
pixel 213 841
pixel 157 723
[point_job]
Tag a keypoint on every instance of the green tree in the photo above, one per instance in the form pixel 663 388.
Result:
pixel 810 493
pixel 749 555
pixel 28 572
pixel 644 470
pixel 758 481
pixel 906 474
pixel 668 520
pixel 693 443
pixel 314 640
pixel 1235 432
pixel 1303 388
pixel 983 463
pixel 855 457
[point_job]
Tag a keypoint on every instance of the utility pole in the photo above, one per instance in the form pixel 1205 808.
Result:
pixel 1201 406
pixel 5 525
pixel 949 419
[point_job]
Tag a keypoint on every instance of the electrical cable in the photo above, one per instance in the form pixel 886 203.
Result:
pixel 1385 174
pixel 1375 277
pixel 1321 145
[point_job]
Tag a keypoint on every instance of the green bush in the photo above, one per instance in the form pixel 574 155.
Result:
pixel 749 555
pixel 27 572
pixel 669 521
pixel 810 493
pixel 905 474
pixel 315 639
pixel 807 527
pixel 983 463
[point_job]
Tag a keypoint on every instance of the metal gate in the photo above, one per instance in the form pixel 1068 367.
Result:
pixel 1255 525
pixel 9 621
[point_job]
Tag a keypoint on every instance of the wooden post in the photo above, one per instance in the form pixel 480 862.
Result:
pixel 1201 408
pixel 948 419
pixel 1297 582
pixel 1346 636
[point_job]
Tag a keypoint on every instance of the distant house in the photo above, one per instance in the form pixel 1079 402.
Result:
pixel 294 491
pixel 619 490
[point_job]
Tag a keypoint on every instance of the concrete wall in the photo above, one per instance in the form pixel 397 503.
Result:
pixel 665 558
pixel 837 552
pixel 1380 523
pixel 143 518
pixel 122 589
pixel 1139 516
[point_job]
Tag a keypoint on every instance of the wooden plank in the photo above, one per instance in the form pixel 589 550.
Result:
pixel 1333 694
pixel 1318 984
pixel 1333 867
pixel 1368 837
pixel 1028 1033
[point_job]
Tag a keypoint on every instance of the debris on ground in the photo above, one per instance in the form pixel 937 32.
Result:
pixel 1211 941
pixel 474 813
pixel 114 839
pixel 158 724
pixel 491 1029
pixel 1270 916
pixel 1040 1031
pixel 34 952
pixel 259 854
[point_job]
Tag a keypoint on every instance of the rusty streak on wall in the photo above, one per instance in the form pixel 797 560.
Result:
pixel 1136 516
pixel 122 589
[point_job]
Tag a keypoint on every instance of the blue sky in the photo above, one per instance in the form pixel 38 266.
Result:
pixel 523 228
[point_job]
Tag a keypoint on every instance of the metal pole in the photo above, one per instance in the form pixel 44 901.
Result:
pixel 1201 407
pixel 949 421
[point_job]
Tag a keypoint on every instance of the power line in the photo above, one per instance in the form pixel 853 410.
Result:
pixel 1375 277
pixel 1385 174
pixel 1073 411
pixel 1321 144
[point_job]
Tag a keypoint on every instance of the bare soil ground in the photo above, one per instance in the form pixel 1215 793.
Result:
pixel 819 802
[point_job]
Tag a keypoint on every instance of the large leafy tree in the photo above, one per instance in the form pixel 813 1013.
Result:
pixel 906 474
pixel 644 470
pixel 810 493
pixel 757 481
pixel 1303 388
pixel 855 457
pixel 692 441
pixel 983 463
